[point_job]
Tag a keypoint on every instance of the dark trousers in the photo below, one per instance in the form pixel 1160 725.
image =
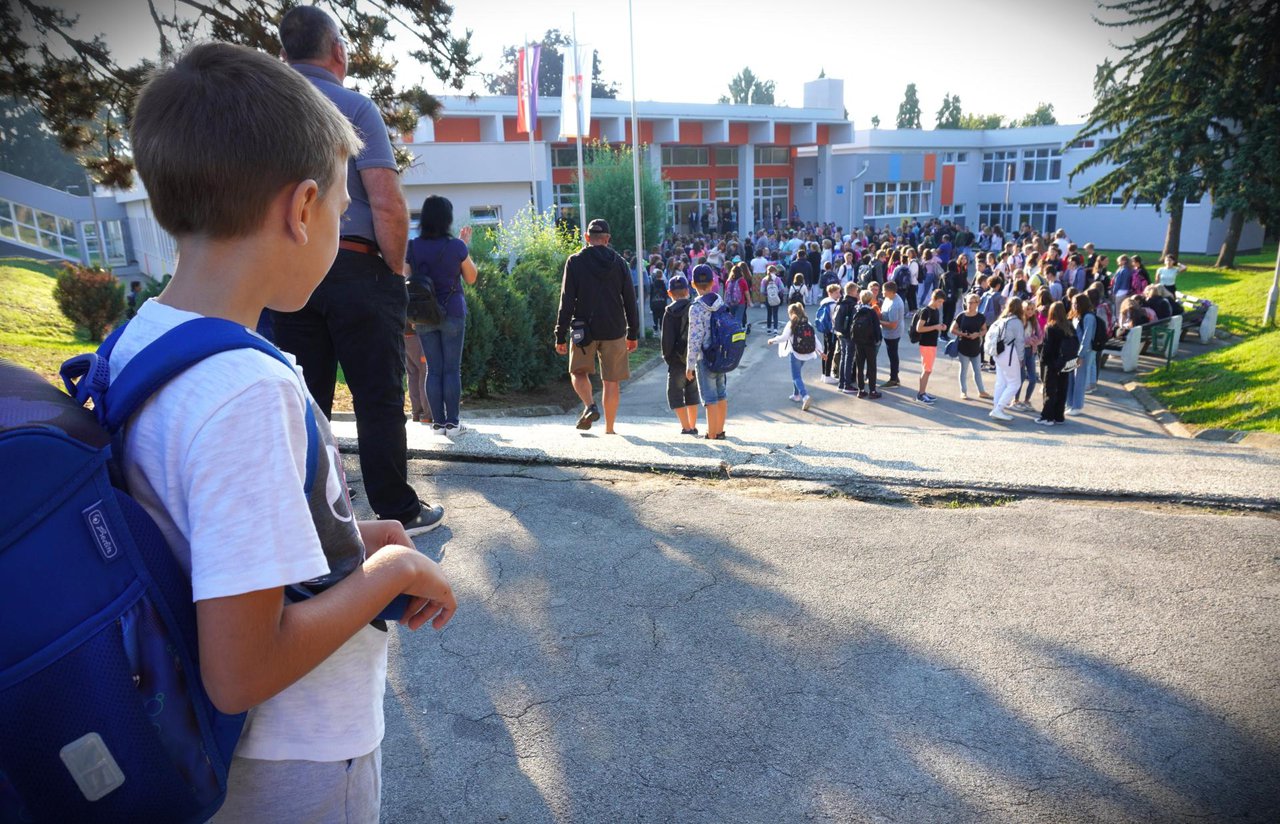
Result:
pixel 355 318
pixel 847 360
pixel 771 315
pixel 865 357
pixel 829 346
pixel 1055 395
pixel 948 315
pixel 658 310
pixel 911 298
pixel 891 347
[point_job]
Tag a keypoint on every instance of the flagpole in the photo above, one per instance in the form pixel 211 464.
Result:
pixel 530 91
pixel 642 265
pixel 577 101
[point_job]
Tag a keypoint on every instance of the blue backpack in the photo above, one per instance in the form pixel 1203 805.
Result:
pixel 725 343
pixel 988 308
pixel 822 318
pixel 103 713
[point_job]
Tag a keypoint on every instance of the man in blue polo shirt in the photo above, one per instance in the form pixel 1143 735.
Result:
pixel 356 316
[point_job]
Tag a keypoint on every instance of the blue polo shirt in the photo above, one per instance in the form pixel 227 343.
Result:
pixel 376 154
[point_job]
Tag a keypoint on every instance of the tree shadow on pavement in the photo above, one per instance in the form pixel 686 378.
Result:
pixel 620 660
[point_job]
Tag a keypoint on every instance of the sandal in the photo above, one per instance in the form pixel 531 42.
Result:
pixel 720 437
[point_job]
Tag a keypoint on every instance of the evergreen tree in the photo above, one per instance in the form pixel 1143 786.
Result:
pixel 1156 105
pixel 610 192
pixel 84 94
pixel 30 150
pixel 949 116
pixel 1246 179
pixel 909 111
pixel 550 70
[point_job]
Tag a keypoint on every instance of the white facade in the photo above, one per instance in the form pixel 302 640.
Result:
pixel 998 176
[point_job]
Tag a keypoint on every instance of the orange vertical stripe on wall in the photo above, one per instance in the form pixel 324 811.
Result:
pixel 458 130
pixel 782 134
pixel 738 134
pixel 690 134
pixel 824 134
pixel 948 185
pixel 930 167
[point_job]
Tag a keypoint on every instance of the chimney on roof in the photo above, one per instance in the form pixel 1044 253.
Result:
pixel 825 93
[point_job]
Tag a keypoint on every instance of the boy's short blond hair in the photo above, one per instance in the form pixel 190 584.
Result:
pixel 217 135
pixel 833 288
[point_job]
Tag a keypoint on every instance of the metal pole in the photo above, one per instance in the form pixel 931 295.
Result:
pixel 97 224
pixel 532 124
pixel 1269 315
pixel 577 101
pixel 641 258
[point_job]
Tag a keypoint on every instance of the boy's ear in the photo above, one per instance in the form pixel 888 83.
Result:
pixel 303 200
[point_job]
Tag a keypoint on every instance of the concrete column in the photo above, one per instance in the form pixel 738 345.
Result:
pixel 826 184
pixel 746 188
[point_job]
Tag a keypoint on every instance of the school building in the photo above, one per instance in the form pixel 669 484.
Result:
pixel 754 161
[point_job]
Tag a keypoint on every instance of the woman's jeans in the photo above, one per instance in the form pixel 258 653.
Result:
pixel 771 315
pixel 1081 379
pixel 971 363
pixel 1028 372
pixel 442 346
pixel 797 366
pixel 740 312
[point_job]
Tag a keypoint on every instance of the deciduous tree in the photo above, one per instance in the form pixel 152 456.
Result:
pixel 949 116
pixel 909 110
pixel 745 88
pixel 550 70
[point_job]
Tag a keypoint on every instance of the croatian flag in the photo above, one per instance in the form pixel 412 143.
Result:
pixel 527 82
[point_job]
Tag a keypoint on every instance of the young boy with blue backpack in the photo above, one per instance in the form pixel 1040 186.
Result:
pixel 824 323
pixel 716 343
pixel 228 494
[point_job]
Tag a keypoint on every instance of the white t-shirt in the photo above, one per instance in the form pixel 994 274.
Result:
pixel 218 459
pixel 1168 275
pixel 759 265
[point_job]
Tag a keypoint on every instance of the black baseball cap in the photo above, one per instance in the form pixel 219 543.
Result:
pixel 702 274
pixel 677 283
pixel 599 226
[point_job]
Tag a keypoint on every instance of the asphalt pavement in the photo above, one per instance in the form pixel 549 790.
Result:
pixel 651 648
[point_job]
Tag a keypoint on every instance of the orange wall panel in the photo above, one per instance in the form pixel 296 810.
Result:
pixel 738 134
pixel 782 134
pixel 458 130
pixel 824 134
pixel 691 134
pixel 646 132
pixel 948 185
pixel 510 134
pixel 930 167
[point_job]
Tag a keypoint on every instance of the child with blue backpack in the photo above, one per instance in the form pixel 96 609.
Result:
pixel 219 455
pixel 823 323
pixel 712 384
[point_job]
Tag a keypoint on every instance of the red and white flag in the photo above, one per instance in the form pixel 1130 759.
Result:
pixel 527 89
pixel 576 91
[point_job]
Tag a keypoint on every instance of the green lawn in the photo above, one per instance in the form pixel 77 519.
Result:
pixel 33 333
pixel 1238 386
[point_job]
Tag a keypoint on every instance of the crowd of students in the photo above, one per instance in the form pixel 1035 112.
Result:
pixel 1034 309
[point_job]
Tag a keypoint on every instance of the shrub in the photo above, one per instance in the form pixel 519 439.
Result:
pixel 511 313
pixel 91 298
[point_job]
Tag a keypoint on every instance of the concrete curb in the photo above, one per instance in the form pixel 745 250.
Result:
pixel 1178 429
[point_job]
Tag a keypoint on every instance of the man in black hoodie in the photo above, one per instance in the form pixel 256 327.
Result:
pixel 598 308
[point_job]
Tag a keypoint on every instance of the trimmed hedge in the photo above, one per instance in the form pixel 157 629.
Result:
pixel 511 310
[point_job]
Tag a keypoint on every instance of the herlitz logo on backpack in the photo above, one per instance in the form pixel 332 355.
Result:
pixel 97 521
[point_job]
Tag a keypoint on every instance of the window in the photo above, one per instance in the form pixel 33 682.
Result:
pixel 564 157
pixel 954 210
pixel 894 199
pixel 684 156
pixel 49 232
pixel 997 167
pixel 565 196
pixel 1043 217
pixel 771 199
pixel 1041 164
pixel 1105 142
pixel 773 155
pixel 727 193
pixel 954 158
pixel 996 214
pixel 1084 144
pixel 727 156
pixel 486 215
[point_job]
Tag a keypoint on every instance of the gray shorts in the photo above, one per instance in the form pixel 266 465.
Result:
pixel 304 792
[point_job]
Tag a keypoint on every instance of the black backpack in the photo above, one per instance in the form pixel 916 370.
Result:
pixel 866 326
pixel 913 323
pixel 804 340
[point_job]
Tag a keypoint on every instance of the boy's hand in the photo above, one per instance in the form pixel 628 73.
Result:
pixel 433 599
pixel 688 375
pixel 632 345
pixel 562 348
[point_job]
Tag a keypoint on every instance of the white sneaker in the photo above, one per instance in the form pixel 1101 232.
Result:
pixel 1075 411
pixel 1000 416
pixel 795 398
pixel 804 404
pixel 830 379
pixel 452 429
pixel 963 396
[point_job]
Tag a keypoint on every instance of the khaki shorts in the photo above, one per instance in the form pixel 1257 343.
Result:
pixel 613 359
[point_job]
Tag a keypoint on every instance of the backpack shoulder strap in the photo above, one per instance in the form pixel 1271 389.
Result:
pixel 172 354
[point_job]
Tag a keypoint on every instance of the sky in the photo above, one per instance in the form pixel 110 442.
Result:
pixel 1000 56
